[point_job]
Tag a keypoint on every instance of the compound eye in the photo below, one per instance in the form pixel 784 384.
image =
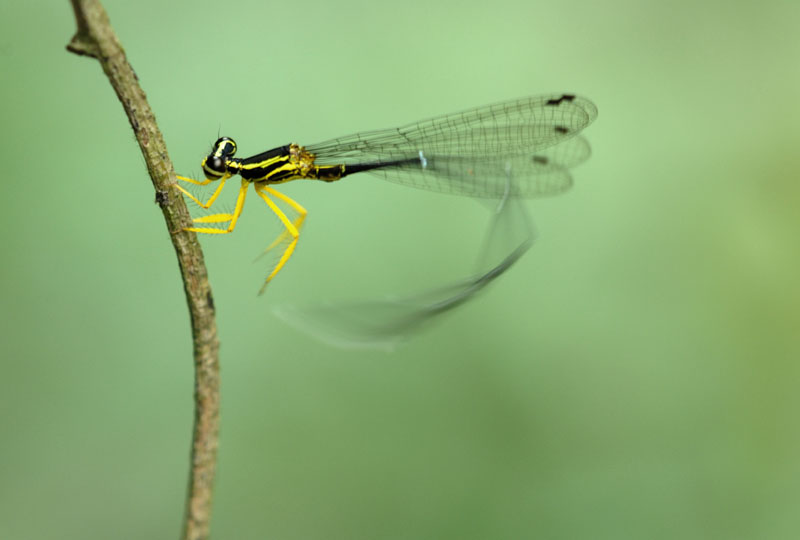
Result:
pixel 225 146
pixel 215 164
pixel 214 167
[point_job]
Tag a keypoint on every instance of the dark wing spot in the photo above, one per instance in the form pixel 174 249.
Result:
pixel 541 160
pixel 558 101
pixel 561 129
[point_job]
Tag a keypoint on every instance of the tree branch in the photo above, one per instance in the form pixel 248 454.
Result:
pixel 95 38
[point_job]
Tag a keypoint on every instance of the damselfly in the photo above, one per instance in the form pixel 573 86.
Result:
pixel 470 153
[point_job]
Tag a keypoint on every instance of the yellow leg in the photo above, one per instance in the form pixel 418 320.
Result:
pixel 193 181
pixel 221 218
pixel 205 182
pixel 292 228
pixel 298 223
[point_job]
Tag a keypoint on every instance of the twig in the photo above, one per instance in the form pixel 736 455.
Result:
pixel 96 38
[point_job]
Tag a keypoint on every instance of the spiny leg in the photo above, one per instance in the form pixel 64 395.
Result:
pixel 193 181
pixel 205 182
pixel 298 222
pixel 221 218
pixel 291 228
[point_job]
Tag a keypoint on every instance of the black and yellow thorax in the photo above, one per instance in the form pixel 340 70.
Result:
pixel 281 164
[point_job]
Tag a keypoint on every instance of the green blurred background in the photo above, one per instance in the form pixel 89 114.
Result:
pixel 634 376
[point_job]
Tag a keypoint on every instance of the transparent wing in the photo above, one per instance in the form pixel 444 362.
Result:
pixel 545 172
pixel 469 153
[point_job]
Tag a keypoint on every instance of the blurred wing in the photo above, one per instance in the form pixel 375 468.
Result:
pixel 386 324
